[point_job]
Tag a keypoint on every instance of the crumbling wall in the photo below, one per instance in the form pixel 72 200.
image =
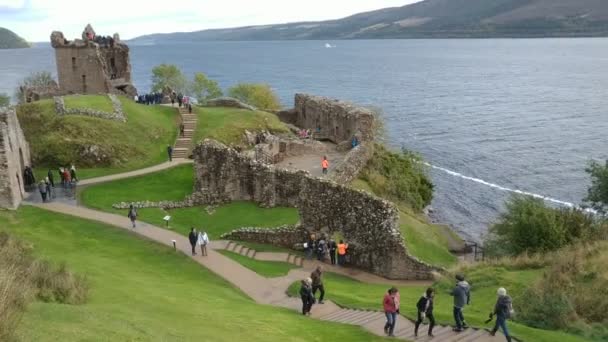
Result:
pixel 355 161
pixel 368 223
pixel 14 157
pixel 330 119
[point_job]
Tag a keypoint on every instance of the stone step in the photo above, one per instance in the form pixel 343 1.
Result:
pixel 333 315
pixel 289 259
pixel 299 261
pixel 353 318
pixel 347 316
pixel 463 335
pixel 229 245
pixel 251 253
pixel 235 247
pixel 369 318
pixel 244 251
pixel 478 334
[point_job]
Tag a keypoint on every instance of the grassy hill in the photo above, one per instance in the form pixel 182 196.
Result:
pixel 10 40
pixel 142 291
pixel 434 19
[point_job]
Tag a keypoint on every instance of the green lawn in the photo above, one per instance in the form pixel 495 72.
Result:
pixel 142 291
pixel 97 146
pixel 227 125
pixel 96 102
pixel 426 241
pixel 268 269
pixel 175 184
pixel 350 293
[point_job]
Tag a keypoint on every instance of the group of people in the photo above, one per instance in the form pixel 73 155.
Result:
pixel 149 99
pixel 322 248
pixel 309 288
pixel 180 99
pixel 503 309
pixel 46 186
pixel 200 239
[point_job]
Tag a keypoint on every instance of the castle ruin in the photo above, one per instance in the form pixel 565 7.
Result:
pixel 93 64
pixel 14 157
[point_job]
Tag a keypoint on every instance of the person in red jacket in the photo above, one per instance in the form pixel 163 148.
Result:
pixel 391 307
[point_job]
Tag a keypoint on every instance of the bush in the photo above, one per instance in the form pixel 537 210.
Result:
pixel 597 193
pixel 258 95
pixel 168 75
pixel 399 176
pixel 4 100
pixel 204 88
pixel 530 226
pixel 23 278
pixel 39 79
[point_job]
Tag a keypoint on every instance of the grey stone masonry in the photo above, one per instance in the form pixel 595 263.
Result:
pixel 14 157
pixel 116 115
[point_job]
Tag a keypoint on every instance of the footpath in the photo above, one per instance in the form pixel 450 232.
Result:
pixel 267 291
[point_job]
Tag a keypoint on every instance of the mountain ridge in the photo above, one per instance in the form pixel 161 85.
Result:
pixel 10 40
pixel 431 19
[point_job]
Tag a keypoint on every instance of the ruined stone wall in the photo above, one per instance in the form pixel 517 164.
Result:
pixel 14 157
pixel 368 223
pixel 339 121
pixel 355 161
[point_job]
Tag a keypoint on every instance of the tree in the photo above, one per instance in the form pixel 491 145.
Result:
pixel 5 100
pixel 597 194
pixel 168 75
pixel 256 94
pixel 204 88
pixel 40 79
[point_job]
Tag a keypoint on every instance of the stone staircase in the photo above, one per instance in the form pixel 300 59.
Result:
pixel 183 145
pixel 293 259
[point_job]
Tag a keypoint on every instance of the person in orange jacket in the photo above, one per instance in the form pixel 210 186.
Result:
pixel 342 247
pixel 325 165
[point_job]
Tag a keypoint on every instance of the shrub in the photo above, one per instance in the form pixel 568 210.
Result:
pixel 529 225
pixel 597 194
pixel 168 75
pixel 204 88
pixel 258 95
pixel 23 278
pixel 4 100
pixel 40 79
pixel 399 176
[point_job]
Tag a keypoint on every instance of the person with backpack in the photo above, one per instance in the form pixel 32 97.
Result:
pixel 425 309
pixel 321 249
pixel 306 295
pixel 317 283
pixel 333 247
pixel 503 310
pixel 391 308
pixel 462 297
pixel 132 214
pixel 193 238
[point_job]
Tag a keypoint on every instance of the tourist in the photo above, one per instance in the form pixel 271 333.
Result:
pixel 342 249
pixel 203 240
pixel 170 152
pixel 503 310
pixel 182 128
pixel 61 176
pixel 321 248
pixel 355 142
pixel 42 189
pixel 28 177
pixel 332 247
pixel 172 96
pixel 180 99
pixel 391 306
pixel 306 295
pixel 310 247
pixel 49 193
pixel 73 173
pixel 425 309
pixel 189 108
pixel 462 297
pixel 68 176
pixel 317 283
pixel 50 177
pixel 132 214
pixel 325 165
pixel 193 237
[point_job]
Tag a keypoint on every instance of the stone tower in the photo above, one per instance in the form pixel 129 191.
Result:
pixel 93 65
pixel 14 157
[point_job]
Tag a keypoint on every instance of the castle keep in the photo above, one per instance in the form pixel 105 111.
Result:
pixel 93 64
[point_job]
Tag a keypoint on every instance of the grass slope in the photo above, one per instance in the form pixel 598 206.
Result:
pixel 118 147
pixel 98 102
pixel 426 241
pixel 227 125
pixel 141 291
pixel 175 184
pixel 268 269
pixel 354 294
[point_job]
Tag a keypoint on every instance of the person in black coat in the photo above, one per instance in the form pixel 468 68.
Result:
pixel 425 309
pixel 193 237
pixel 170 152
pixel 306 295
pixel 332 247
pixel 50 175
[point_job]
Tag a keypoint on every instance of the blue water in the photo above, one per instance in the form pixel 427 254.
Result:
pixel 491 115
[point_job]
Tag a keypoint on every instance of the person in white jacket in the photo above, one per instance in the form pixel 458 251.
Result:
pixel 203 240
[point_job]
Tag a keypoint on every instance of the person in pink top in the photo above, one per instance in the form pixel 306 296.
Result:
pixel 391 308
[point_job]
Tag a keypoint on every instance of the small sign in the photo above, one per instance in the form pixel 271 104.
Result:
pixel 167 218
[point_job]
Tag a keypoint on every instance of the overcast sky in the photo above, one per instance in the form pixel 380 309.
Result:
pixel 35 19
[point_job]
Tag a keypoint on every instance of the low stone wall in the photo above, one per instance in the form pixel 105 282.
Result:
pixel 338 121
pixel 354 162
pixel 228 102
pixel 14 157
pixel 368 223
pixel 273 149
pixel 117 114
pixel 285 236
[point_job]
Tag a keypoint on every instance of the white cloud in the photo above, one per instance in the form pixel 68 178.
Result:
pixel 12 3
pixel 132 18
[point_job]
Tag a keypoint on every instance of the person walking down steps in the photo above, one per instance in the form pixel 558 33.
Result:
pixel 391 307
pixel 306 295
pixel 317 283
pixel 132 215
pixel 503 310
pixel 203 240
pixel 170 152
pixel 425 309
pixel 462 297
pixel 193 237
